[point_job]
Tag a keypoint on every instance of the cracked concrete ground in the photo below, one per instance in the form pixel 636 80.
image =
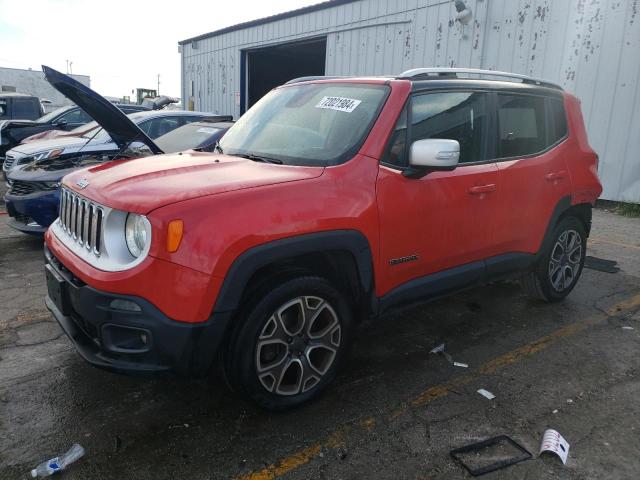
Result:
pixel 394 412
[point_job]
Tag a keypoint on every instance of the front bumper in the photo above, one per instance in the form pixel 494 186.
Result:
pixel 32 213
pixel 142 342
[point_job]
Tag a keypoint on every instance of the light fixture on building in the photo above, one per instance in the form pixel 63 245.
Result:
pixel 464 14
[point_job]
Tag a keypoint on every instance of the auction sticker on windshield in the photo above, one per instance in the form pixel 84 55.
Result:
pixel 341 104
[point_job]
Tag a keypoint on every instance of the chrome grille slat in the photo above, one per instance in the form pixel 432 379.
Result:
pixel 87 225
pixel 81 219
pixel 74 216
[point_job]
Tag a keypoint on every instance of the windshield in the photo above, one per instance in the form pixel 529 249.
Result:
pixel 51 115
pixel 188 136
pixel 314 124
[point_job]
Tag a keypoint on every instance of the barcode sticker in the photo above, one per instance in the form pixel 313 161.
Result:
pixel 341 104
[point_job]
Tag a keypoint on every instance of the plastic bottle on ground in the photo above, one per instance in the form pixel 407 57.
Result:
pixel 57 464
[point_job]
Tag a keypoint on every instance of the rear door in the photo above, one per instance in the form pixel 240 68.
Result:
pixel 444 219
pixel 533 175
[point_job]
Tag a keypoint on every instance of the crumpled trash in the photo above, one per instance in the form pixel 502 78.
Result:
pixel 553 442
pixel 486 394
pixel 440 349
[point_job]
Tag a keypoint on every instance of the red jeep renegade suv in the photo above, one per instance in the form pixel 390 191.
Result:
pixel 329 201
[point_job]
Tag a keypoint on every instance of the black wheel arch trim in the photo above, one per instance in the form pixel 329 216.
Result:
pixel 249 262
pixel 562 208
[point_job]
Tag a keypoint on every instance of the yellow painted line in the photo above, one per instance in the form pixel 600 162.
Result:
pixel 618 244
pixel 625 305
pixel 297 459
pixel 304 456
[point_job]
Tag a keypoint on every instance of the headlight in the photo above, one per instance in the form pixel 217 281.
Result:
pixel 42 155
pixel 135 231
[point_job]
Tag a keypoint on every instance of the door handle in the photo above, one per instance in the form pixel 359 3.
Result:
pixel 553 176
pixel 482 189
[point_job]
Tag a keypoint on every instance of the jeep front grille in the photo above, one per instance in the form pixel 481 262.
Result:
pixel 82 220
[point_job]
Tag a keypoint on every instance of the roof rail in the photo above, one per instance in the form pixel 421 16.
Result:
pixel 427 73
pixel 309 79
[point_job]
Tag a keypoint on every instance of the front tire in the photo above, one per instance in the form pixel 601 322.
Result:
pixel 560 265
pixel 291 343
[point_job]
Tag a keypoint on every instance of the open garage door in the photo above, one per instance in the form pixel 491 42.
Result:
pixel 272 66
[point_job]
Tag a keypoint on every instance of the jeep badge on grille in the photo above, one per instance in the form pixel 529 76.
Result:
pixel 82 183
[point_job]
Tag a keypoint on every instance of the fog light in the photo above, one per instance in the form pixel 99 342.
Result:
pixel 128 305
pixel 125 339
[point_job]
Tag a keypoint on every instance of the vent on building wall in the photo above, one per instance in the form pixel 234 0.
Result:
pixel 8 88
pixel 194 45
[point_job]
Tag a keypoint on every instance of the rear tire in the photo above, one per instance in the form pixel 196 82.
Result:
pixel 290 344
pixel 559 267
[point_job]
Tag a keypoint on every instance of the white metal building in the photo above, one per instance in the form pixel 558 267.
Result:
pixel 33 83
pixel 590 47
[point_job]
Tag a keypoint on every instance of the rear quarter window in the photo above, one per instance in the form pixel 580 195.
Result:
pixel 558 120
pixel 522 126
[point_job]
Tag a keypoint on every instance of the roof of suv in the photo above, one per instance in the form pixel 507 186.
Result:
pixel 439 78
pixel 170 113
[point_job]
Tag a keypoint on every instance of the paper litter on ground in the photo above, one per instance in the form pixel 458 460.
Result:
pixel 486 394
pixel 553 442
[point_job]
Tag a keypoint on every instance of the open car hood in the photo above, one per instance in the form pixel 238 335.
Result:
pixel 120 127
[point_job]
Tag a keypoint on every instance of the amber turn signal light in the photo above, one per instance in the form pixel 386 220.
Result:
pixel 174 235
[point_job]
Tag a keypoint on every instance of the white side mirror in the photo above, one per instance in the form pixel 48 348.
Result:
pixel 436 153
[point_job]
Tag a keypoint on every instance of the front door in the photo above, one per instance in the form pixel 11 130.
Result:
pixel 445 219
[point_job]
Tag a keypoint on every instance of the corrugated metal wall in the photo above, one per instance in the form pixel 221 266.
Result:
pixel 590 47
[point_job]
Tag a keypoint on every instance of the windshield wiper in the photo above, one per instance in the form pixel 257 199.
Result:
pixel 218 148
pixel 259 158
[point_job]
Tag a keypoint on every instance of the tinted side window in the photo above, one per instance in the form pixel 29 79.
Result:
pixel 460 116
pixel 75 116
pixel 521 125
pixel 395 152
pixel 25 108
pixel 558 120
pixel 159 126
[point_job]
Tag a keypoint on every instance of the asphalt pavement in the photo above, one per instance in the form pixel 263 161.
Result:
pixel 394 412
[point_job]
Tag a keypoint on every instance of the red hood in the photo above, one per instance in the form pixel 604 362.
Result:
pixel 144 184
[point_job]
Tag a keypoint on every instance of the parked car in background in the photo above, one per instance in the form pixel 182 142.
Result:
pixel 202 136
pixel 331 200
pixel 61 120
pixel 96 140
pixel 19 106
pixel 34 170
pixel 51 134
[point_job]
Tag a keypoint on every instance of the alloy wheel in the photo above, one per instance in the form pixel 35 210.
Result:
pixel 564 262
pixel 297 345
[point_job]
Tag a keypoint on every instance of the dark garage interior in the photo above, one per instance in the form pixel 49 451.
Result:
pixel 273 66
